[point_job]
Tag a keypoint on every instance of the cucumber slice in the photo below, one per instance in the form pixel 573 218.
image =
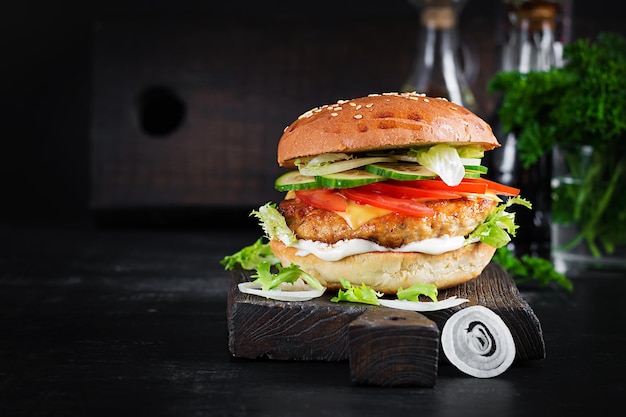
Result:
pixel 469 174
pixel 293 180
pixel 348 179
pixel 476 168
pixel 401 171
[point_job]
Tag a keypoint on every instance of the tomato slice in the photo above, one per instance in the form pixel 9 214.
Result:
pixel 323 198
pixel 403 191
pixel 400 205
pixel 464 187
pixel 496 187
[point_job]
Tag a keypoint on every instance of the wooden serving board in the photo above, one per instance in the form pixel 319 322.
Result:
pixel 321 330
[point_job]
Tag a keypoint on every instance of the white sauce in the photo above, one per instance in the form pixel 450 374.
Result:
pixel 344 248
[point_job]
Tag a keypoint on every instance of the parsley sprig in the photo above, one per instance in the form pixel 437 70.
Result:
pixel 530 268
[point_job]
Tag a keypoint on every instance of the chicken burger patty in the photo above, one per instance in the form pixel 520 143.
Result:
pixel 458 217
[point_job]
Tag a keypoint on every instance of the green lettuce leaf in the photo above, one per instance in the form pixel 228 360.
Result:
pixel 355 294
pixel 414 291
pixel 274 224
pixel 289 274
pixel 499 226
pixel 443 160
pixel 250 257
pixel 471 151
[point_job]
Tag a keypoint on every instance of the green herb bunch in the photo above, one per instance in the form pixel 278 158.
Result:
pixel 529 268
pixel 582 103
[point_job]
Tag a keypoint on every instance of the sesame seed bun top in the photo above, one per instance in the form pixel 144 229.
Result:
pixel 382 121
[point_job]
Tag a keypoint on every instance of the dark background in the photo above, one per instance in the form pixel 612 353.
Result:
pixel 47 88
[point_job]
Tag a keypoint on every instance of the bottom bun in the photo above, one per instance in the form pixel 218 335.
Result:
pixel 388 271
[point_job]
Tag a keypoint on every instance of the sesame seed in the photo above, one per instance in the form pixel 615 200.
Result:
pixel 373 95
pixel 368 105
pixel 358 107
pixel 426 100
pixel 342 101
pixel 307 114
pixel 358 116
pixel 352 104
pixel 334 114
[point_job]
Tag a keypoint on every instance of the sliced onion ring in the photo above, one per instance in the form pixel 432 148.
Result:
pixel 280 294
pixel 423 305
pixel 478 342
pixel 340 166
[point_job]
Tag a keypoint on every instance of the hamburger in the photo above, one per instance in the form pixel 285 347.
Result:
pixel 388 191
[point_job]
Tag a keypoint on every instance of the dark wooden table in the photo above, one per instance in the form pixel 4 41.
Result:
pixel 120 322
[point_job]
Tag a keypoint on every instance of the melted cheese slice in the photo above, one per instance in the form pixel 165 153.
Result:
pixel 358 214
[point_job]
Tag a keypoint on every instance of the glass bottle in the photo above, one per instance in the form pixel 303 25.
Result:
pixel 532 42
pixel 438 69
pixel 534 35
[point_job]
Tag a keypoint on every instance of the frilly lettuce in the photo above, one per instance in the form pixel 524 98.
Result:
pixel 355 294
pixel 499 226
pixel 250 257
pixel 414 291
pixel 274 224
pixel 289 274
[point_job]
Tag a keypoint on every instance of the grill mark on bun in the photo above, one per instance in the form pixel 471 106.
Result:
pixel 387 124
pixel 414 116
